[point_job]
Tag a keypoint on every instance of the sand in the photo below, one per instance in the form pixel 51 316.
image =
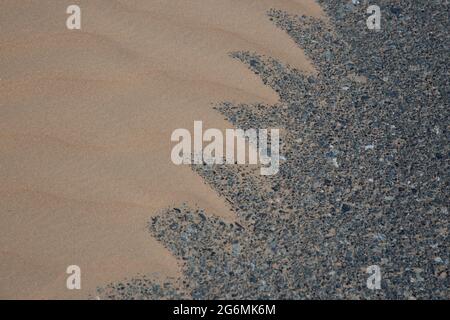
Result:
pixel 85 124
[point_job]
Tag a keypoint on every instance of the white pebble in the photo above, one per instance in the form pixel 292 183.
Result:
pixel 335 163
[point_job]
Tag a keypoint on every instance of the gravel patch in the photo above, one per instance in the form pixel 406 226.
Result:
pixel 365 177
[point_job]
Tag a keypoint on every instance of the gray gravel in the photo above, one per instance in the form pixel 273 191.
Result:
pixel 366 175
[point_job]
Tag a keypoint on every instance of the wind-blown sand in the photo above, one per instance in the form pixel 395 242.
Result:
pixel 85 124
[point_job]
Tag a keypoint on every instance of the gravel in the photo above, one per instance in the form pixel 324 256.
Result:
pixel 365 176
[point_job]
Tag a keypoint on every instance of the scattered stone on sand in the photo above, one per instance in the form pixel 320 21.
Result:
pixel 331 222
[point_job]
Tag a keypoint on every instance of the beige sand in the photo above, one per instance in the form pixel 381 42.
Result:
pixel 85 124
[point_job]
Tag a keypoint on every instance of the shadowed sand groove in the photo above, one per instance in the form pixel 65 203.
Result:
pixel 365 180
pixel 85 124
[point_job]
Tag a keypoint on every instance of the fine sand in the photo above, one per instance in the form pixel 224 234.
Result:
pixel 85 124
